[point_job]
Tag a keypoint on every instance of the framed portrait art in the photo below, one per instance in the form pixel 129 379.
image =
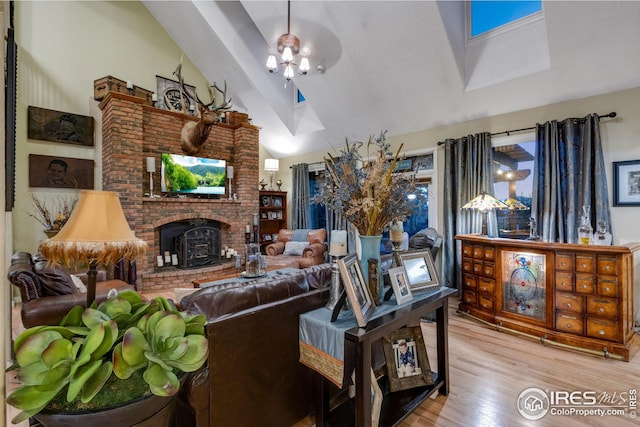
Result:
pixel 626 183
pixel 400 285
pixel 407 360
pixel 420 270
pixel 356 288
pixel 60 172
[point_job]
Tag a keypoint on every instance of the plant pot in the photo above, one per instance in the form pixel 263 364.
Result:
pixel 50 233
pixel 151 411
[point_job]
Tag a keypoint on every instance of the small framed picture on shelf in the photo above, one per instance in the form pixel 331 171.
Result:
pixel 357 290
pixel 279 215
pixel 407 360
pixel 263 215
pixel 272 215
pixel 400 285
pixel 265 201
pixel 274 237
pixel 277 202
pixel 420 270
pixel 266 237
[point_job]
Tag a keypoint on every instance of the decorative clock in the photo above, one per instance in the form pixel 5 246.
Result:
pixel 524 286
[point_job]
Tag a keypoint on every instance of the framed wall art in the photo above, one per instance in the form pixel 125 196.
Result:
pixel 356 288
pixel 57 126
pixel 420 270
pixel 626 183
pixel 400 285
pixel 172 97
pixel 60 172
pixel 407 360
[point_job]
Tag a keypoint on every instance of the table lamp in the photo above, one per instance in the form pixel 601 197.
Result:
pixel 484 202
pixel 272 166
pixel 97 232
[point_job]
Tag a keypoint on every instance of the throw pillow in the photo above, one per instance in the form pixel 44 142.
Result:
pixel 79 284
pixel 53 280
pixel 294 248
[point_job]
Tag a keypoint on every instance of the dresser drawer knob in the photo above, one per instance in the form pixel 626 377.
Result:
pixel 607 289
pixel 569 325
pixel 568 304
pixel 601 310
pixel 607 267
pixel 584 265
pixel 601 332
pixel 584 286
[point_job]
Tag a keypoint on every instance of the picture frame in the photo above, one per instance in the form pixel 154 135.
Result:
pixel 376 400
pixel 400 285
pixel 626 183
pixel 266 237
pixel 272 215
pixel 274 237
pixel 169 91
pixel 59 126
pixel 356 288
pixel 266 201
pixel 407 360
pixel 277 202
pixel 420 270
pixel 60 172
pixel 263 215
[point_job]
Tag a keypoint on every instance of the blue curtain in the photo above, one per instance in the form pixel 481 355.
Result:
pixel 569 173
pixel 468 171
pixel 300 199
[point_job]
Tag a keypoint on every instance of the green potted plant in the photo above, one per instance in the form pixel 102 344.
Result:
pixel 72 370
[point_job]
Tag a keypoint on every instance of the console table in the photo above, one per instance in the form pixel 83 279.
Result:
pixel 576 296
pixel 359 341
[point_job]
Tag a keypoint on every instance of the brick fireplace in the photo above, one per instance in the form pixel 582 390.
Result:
pixel 133 131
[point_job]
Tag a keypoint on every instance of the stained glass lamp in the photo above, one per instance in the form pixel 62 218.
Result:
pixel 514 204
pixel 484 202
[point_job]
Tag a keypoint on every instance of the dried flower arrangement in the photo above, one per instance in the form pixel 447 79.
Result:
pixel 365 189
pixel 53 219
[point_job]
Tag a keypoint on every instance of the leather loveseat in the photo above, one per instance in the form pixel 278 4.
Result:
pixel 48 292
pixel 307 245
pixel 253 377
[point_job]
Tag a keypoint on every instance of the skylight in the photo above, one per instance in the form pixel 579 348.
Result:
pixel 489 15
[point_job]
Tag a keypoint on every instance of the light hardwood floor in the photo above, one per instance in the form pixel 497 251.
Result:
pixel 489 369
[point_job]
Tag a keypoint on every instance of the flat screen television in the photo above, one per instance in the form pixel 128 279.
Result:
pixel 197 176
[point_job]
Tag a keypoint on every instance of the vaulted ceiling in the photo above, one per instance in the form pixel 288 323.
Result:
pixel 400 66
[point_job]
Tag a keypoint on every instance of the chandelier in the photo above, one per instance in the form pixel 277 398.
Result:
pixel 288 47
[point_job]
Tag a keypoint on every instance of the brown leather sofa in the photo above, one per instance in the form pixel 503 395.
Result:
pixel 253 377
pixel 48 292
pixel 313 254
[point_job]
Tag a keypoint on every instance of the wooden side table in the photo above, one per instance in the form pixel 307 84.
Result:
pixel 397 405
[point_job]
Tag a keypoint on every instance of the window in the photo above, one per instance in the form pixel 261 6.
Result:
pixel 489 15
pixel 513 184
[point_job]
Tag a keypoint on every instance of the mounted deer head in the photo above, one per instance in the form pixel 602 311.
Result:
pixel 194 134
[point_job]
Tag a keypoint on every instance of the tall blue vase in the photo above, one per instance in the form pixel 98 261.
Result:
pixel 370 248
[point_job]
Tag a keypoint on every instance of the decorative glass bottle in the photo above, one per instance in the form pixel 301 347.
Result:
pixel 601 236
pixel 585 230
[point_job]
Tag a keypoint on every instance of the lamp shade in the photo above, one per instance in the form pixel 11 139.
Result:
pixel 484 202
pixel 96 232
pixel 514 204
pixel 271 165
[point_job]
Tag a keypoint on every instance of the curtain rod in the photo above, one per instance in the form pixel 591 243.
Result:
pixel 310 164
pixel 508 132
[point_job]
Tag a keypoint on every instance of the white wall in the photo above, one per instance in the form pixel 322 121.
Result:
pixel 619 140
pixel 63 48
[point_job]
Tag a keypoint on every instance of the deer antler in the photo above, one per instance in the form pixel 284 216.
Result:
pixel 194 134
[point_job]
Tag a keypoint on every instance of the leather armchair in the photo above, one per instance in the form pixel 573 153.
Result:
pixel 313 254
pixel 48 292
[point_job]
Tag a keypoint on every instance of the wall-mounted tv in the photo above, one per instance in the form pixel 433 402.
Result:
pixel 197 176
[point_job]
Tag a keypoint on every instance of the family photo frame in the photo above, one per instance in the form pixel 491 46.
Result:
pixel 420 270
pixel 356 288
pixel 407 360
pixel 626 183
pixel 400 285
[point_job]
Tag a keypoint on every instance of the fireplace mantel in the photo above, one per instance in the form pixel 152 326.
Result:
pixel 133 131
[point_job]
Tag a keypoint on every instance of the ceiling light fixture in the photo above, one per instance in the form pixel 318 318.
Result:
pixel 288 47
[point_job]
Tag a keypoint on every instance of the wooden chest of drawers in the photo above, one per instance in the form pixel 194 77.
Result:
pixel 585 292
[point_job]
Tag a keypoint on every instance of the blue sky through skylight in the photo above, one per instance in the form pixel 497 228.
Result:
pixel 488 15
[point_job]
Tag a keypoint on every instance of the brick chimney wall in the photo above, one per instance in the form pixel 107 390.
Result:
pixel 133 131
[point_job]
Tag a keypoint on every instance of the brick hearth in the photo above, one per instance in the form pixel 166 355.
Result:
pixel 133 131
